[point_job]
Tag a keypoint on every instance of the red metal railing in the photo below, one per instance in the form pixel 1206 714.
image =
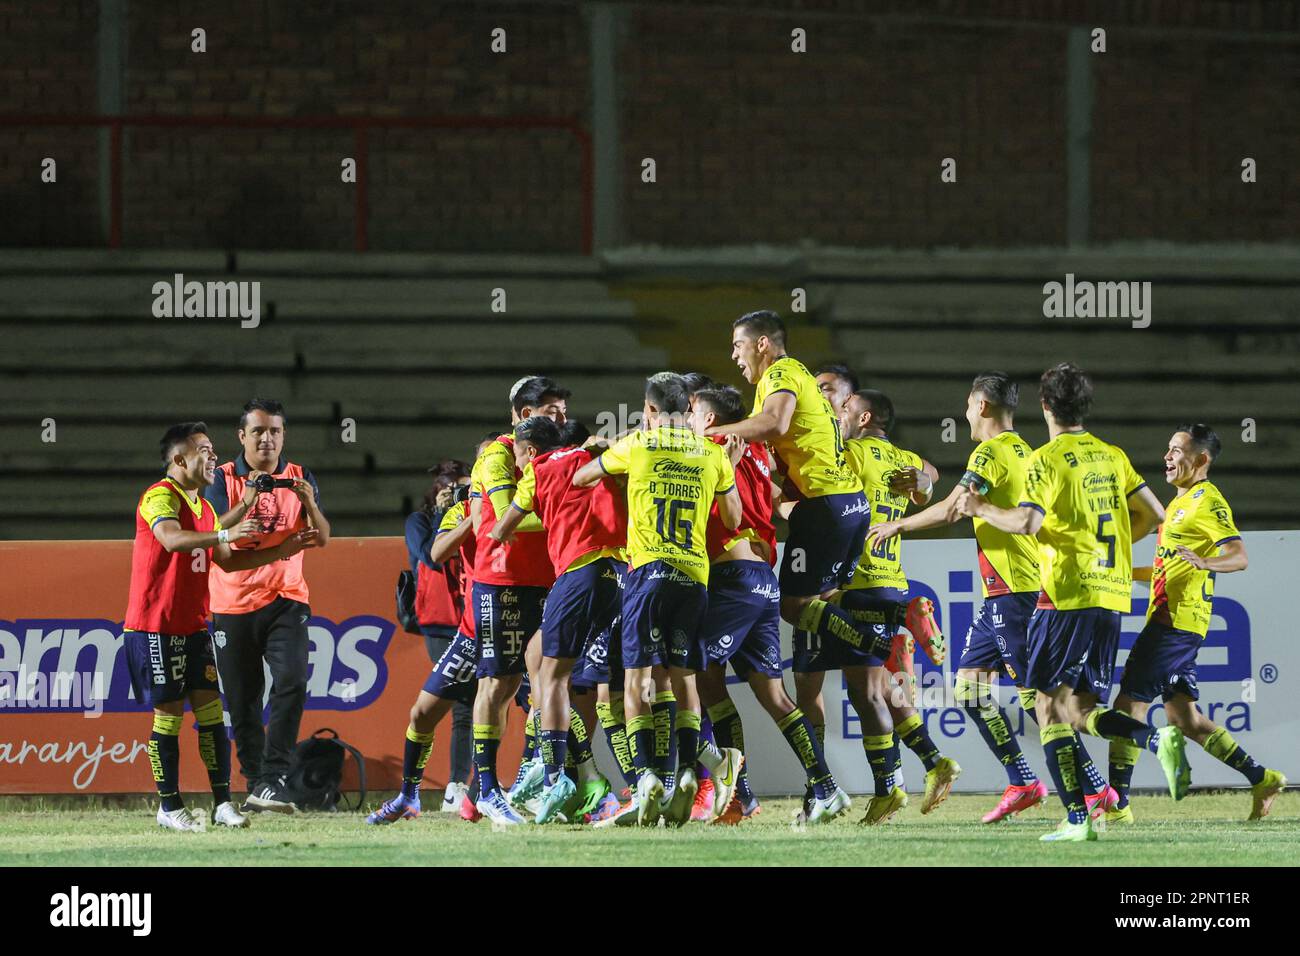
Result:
pixel 360 126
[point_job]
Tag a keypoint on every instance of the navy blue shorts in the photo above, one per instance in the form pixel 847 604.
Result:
pixel 1076 648
pixel 999 636
pixel 169 667
pixel 596 665
pixel 507 616
pixel 452 677
pixel 581 605
pixel 826 538
pixel 743 622
pixel 879 609
pixel 1162 663
pixel 663 609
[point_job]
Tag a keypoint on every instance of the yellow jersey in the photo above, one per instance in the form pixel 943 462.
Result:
pixel 1181 595
pixel 1081 485
pixel 874 460
pixel 996 470
pixel 673 475
pixel 811 453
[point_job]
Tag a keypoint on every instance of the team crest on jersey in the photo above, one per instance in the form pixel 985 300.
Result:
pixel 219 638
pixel 1197 493
pixel 1179 515
pixel 210 672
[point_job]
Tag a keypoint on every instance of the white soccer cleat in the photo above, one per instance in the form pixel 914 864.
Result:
pixel 181 820
pixel 227 815
pixel 452 797
pixel 836 805
pixel 678 811
pixel 725 778
pixel 649 793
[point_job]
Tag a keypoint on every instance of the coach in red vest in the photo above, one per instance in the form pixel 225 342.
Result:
pixel 261 615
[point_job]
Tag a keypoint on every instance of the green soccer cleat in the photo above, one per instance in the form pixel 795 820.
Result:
pixel 590 793
pixel 882 809
pixel 1171 751
pixel 1069 832
pixel 1263 793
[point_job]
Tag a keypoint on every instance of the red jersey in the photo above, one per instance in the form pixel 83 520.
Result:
pixel 464 562
pixel 169 591
pixel 524 562
pixel 578 521
pixel 754 485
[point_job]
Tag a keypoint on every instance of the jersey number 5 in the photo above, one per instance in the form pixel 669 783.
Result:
pixel 1108 539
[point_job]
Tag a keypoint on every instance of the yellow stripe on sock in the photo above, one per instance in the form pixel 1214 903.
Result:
pixel 720 712
pixel 907 726
pixel 1220 745
pixel 878 742
pixel 785 721
pixel 1028 698
pixel 1090 724
pixel 416 737
pixel 640 722
pixel 689 719
pixel 209 713
pixel 605 715
pixel 810 617
pixel 165 724
pixel 665 697
pixel 616 708
pixel 1053 732
pixel 1124 753
pixel 487 732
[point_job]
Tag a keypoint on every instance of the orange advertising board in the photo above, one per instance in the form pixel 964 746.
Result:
pixel 69 721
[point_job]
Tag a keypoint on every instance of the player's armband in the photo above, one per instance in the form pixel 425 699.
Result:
pixel 975 482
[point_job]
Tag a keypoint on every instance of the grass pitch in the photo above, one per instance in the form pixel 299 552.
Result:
pixel 1204 830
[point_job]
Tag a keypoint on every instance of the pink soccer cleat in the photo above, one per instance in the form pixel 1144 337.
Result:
pixel 1017 799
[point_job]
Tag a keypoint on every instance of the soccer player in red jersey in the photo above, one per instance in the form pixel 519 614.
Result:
pixel 586 537
pixel 743 622
pixel 168 648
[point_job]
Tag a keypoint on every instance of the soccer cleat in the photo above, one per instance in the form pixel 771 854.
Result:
pixel 1263 793
pixel 228 815
pixel 528 783
pixel 938 783
pixel 805 808
pixel 1119 815
pixel 498 811
pixel 272 797
pixel 553 800
pixel 454 794
pixel 1017 799
pixel 1069 832
pixel 1102 803
pixel 882 809
pixel 181 820
pixel 677 812
pixel 649 796
pixel 836 805
pixel 626 815
pixel 737 812
pixel 1171 751
pixel 606 809
pixel 591 794
pixel 702 808
pixel 901 664
pixel 401 807
pixel 925 629
pixel 468 810
pixel 726 777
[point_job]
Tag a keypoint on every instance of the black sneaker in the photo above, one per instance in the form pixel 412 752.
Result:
pixel 272 797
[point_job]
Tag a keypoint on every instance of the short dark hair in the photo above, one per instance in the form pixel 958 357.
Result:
pixel 763 322
pixel 268 405
pixel 696 382
pixel 532 393
pixel 1066 390
pixel 178 434
pixel 880 406
pixel 666 391
pixel 840 370
pixel 1203 439
pixel 573 432
pixel 539 431
pixel 998 388
pixel 725 401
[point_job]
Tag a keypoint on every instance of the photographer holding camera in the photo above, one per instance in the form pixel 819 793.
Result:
pixel 261 615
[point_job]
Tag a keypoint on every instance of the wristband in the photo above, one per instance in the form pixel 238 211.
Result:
pixel 223 536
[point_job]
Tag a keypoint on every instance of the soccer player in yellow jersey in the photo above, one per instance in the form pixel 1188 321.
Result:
pixel 1086 505
pixel 673 477
pixel 877 598
pixel 1198 540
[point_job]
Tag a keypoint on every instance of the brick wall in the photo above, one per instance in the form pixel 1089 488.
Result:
pixel 753 143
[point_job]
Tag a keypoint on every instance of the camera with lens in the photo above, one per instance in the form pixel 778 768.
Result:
pixel 265 483
pixel 461 493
